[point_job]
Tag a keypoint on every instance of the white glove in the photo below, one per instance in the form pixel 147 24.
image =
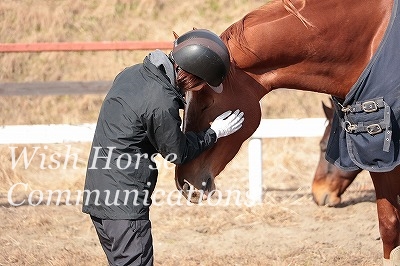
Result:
pixel 227 123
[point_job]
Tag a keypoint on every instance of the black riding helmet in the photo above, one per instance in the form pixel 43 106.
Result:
pixel 203 54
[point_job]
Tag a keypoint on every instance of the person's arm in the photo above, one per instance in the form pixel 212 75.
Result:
pixel 165 134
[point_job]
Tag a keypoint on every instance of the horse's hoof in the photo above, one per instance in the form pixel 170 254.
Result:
pixel 386 262
pixel 395 256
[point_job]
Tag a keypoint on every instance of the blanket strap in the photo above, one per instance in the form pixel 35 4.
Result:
pixel 388 132
pixel 364 127
pixel 367 106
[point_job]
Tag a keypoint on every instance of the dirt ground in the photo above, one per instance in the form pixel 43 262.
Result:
pixel 287 228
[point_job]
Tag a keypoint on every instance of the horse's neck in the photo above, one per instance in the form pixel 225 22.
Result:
pixel 279 51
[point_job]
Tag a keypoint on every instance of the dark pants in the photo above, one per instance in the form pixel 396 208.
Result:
pixel 125 242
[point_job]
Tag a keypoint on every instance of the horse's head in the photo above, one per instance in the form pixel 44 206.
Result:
pixel 329 181
pixel 196 178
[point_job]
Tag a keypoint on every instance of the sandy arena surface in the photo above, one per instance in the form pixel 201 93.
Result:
pixel 287 228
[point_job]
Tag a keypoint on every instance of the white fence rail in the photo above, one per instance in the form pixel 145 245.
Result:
pixel 46 134
pixel 269 128
pixel 276 128
pixel 61 133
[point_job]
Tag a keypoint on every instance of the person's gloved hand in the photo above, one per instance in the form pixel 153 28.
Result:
pixel 227 123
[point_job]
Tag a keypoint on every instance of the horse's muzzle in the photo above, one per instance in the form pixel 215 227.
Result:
pixel 196 195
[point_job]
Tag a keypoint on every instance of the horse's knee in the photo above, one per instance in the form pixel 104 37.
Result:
pixel 389 228
pixel 390 237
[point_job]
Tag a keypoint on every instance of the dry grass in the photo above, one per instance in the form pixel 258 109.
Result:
pixel 115 20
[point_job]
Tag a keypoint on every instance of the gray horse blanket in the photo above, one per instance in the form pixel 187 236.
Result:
pixel 365 131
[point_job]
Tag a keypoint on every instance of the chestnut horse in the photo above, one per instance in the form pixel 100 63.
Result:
pixel 313 45
pixel 330 181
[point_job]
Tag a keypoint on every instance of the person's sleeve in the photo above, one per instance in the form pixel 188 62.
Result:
pixel 164 131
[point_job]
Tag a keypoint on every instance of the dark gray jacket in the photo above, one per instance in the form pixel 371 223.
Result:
pixel 138 119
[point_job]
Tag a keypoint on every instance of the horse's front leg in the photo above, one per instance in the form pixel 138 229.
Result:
pixel 387 189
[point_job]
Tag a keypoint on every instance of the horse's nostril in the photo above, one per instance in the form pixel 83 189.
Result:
pixel 207 185
pixel 186 187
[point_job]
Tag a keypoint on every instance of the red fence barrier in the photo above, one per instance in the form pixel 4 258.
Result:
pixel 54 88
pixel 73 87
pixel 59 87
pixel 83 46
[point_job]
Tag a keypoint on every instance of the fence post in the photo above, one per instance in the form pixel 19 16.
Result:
pixel 255 170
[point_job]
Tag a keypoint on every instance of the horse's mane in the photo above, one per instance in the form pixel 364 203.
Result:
pixel 237 29
pixel 288 5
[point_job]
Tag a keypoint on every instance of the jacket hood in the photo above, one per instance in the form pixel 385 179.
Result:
pixel 160 65
pixel 161 61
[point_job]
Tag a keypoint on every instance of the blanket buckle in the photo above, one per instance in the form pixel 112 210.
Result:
pixel 374 129
pixel 369 106
pixel 349 127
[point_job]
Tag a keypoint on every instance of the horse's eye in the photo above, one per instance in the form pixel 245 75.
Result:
pixel 206 105
pixel 204 108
